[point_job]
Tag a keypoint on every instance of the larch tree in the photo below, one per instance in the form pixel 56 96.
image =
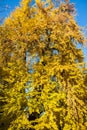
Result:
pixel 43 78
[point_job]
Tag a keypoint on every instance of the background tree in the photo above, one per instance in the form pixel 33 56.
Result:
pixel 42 68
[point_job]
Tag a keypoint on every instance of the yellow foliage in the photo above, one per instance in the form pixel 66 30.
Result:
pixel 43 80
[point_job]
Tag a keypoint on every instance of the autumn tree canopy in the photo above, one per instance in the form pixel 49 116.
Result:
pixel 42 70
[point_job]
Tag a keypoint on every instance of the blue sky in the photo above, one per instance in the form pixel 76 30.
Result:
pixel 80 5
pixel 81 8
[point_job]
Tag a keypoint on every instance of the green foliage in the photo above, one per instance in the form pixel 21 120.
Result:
pixel 43 78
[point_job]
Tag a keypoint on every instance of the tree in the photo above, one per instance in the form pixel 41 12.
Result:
pixel 43 73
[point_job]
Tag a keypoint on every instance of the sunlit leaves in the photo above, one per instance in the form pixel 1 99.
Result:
pixel 42 69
